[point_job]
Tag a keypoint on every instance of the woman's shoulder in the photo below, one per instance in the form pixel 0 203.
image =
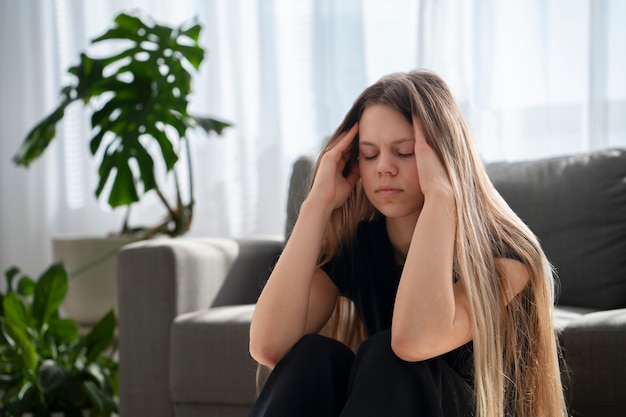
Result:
pixel 515 275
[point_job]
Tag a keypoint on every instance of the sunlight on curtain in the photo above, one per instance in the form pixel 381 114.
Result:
pixel 533 78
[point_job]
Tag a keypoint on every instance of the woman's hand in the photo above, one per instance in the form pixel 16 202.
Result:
pixel 432 174
pixel 330 187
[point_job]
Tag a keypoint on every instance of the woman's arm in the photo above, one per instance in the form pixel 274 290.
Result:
pixel 299 297
pixel 431 313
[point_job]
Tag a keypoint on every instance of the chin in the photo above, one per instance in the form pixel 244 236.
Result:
pixel 397 212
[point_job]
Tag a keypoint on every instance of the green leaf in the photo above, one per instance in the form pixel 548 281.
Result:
pixel 97 397
pixel 164 33
pixel 89 73
pixel 15 311
pixel 123 190
pixel 38 139
pixel 193 54
pixel 26 286
pixel 50 376
pixel 96 373
pixel 16 320
pixel 10 275
pixel 146 168
pixel 193 32
pixel 106 167
pixel 64 330
pixel 49 293
pixel 96 140
pixel 130 23
pixel 210 124
pixel 100 337
pixel 104 115
pixel 175 120
pixel 165 145
pixel 118 33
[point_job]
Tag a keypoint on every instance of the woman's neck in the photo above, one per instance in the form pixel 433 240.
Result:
pixel 400 232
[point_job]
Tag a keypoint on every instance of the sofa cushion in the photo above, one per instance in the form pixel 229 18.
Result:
pixel 576 205
pixel 595 370
pixel 204 345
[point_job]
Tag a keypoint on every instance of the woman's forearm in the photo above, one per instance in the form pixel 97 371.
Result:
pixel 280 316
pixel 425 306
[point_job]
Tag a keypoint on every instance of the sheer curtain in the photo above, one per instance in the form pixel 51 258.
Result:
pixel 534 78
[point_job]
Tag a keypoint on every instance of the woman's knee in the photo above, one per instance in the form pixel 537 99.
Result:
pixel 377 345
pixel 312 379
pixel 317 351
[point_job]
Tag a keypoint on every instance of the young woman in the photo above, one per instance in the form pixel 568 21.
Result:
pixel 452 289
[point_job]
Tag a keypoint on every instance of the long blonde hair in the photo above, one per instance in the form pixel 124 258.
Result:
pixel 516 358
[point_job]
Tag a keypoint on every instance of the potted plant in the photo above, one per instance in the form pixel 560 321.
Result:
pixel 46 365
pixel 138 98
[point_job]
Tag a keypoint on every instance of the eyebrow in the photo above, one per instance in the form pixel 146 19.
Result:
pixel 393 142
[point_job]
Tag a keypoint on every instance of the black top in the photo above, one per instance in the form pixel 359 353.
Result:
pixel 367 274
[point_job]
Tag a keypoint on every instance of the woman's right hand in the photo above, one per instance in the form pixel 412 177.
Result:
pixel 330 187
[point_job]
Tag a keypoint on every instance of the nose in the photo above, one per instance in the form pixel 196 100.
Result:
pixel 386 165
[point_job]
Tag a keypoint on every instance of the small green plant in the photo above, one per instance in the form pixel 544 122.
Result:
pixel 138 97
pixel 46 365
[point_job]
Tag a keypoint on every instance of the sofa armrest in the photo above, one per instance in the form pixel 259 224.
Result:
pixel 158 280
pixel 594 347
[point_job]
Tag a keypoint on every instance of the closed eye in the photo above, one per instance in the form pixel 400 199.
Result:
pixel 368 157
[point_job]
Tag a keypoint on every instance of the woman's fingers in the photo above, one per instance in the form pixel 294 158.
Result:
pixel 330 183
pixel 344 142
pixel 342 151
pixel 431 171
pixel 343 146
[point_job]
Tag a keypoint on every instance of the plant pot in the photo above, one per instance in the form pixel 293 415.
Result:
pixel 92 263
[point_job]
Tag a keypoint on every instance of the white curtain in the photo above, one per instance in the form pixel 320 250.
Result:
pixel 534 78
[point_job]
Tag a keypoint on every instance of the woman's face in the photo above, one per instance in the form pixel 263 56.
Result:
pixel 387 162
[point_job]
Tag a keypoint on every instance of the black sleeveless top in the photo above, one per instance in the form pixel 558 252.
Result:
pixel 367 274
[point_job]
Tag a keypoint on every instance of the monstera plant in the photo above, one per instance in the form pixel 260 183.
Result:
pixel 138 98
pixel 46 364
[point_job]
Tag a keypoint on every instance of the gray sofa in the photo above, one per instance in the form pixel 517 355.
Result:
pixel 185 304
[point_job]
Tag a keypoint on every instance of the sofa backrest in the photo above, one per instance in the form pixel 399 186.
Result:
pixel 299 184
pixel 576 205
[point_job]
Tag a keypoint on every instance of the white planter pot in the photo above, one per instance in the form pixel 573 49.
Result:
pixel 93 292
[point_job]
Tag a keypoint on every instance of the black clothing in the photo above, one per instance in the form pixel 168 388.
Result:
pixel 368 275
pixel 321 377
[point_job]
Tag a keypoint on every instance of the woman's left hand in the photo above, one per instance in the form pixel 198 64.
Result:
pixel 431 172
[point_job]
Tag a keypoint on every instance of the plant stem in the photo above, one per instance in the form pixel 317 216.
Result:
pixel 192 199
pixel 99 259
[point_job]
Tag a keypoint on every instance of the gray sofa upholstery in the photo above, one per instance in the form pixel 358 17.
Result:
pixel 185 304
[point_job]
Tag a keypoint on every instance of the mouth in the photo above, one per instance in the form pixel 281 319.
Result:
pixel 388 190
